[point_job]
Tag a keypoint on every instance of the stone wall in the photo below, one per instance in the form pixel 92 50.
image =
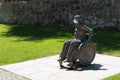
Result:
pixel 96 13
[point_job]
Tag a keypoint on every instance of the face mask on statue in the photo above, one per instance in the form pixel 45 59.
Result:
pixel 75 21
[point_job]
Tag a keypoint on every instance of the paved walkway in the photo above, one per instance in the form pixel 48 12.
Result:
pixel 48 69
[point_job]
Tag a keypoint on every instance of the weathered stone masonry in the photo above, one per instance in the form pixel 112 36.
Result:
pixel 96 13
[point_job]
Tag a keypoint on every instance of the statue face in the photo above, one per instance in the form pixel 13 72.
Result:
pixel 75 21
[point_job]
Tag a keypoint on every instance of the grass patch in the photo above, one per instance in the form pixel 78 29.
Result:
pixel 23 42
pixel 20 43
pixel 107 42
pixel 114 77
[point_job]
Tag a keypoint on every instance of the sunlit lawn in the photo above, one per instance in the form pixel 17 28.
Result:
pixel 19 43
pixel 114 77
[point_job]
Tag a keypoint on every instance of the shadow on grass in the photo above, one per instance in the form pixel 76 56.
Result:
pixel 39 32
pixel 105 41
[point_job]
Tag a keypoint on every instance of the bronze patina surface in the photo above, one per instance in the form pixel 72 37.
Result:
pixel 80 49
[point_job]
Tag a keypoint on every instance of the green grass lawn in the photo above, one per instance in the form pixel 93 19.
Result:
pixel 114 77
pixel 107 42
pixel 19 43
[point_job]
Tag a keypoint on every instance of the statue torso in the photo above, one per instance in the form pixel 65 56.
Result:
pixel 80 32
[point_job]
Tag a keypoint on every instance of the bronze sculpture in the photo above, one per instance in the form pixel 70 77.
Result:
pixel 74 49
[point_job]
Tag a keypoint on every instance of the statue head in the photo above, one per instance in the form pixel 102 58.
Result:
pixel 77 19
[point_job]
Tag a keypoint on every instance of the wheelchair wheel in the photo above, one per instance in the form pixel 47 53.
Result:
pixel 86 53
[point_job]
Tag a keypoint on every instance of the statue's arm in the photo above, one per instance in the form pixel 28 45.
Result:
pixel 90 30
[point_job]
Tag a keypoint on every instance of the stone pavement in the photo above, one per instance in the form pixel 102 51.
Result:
pixel 48 69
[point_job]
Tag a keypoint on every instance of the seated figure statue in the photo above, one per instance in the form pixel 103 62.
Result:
pixel 70 45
